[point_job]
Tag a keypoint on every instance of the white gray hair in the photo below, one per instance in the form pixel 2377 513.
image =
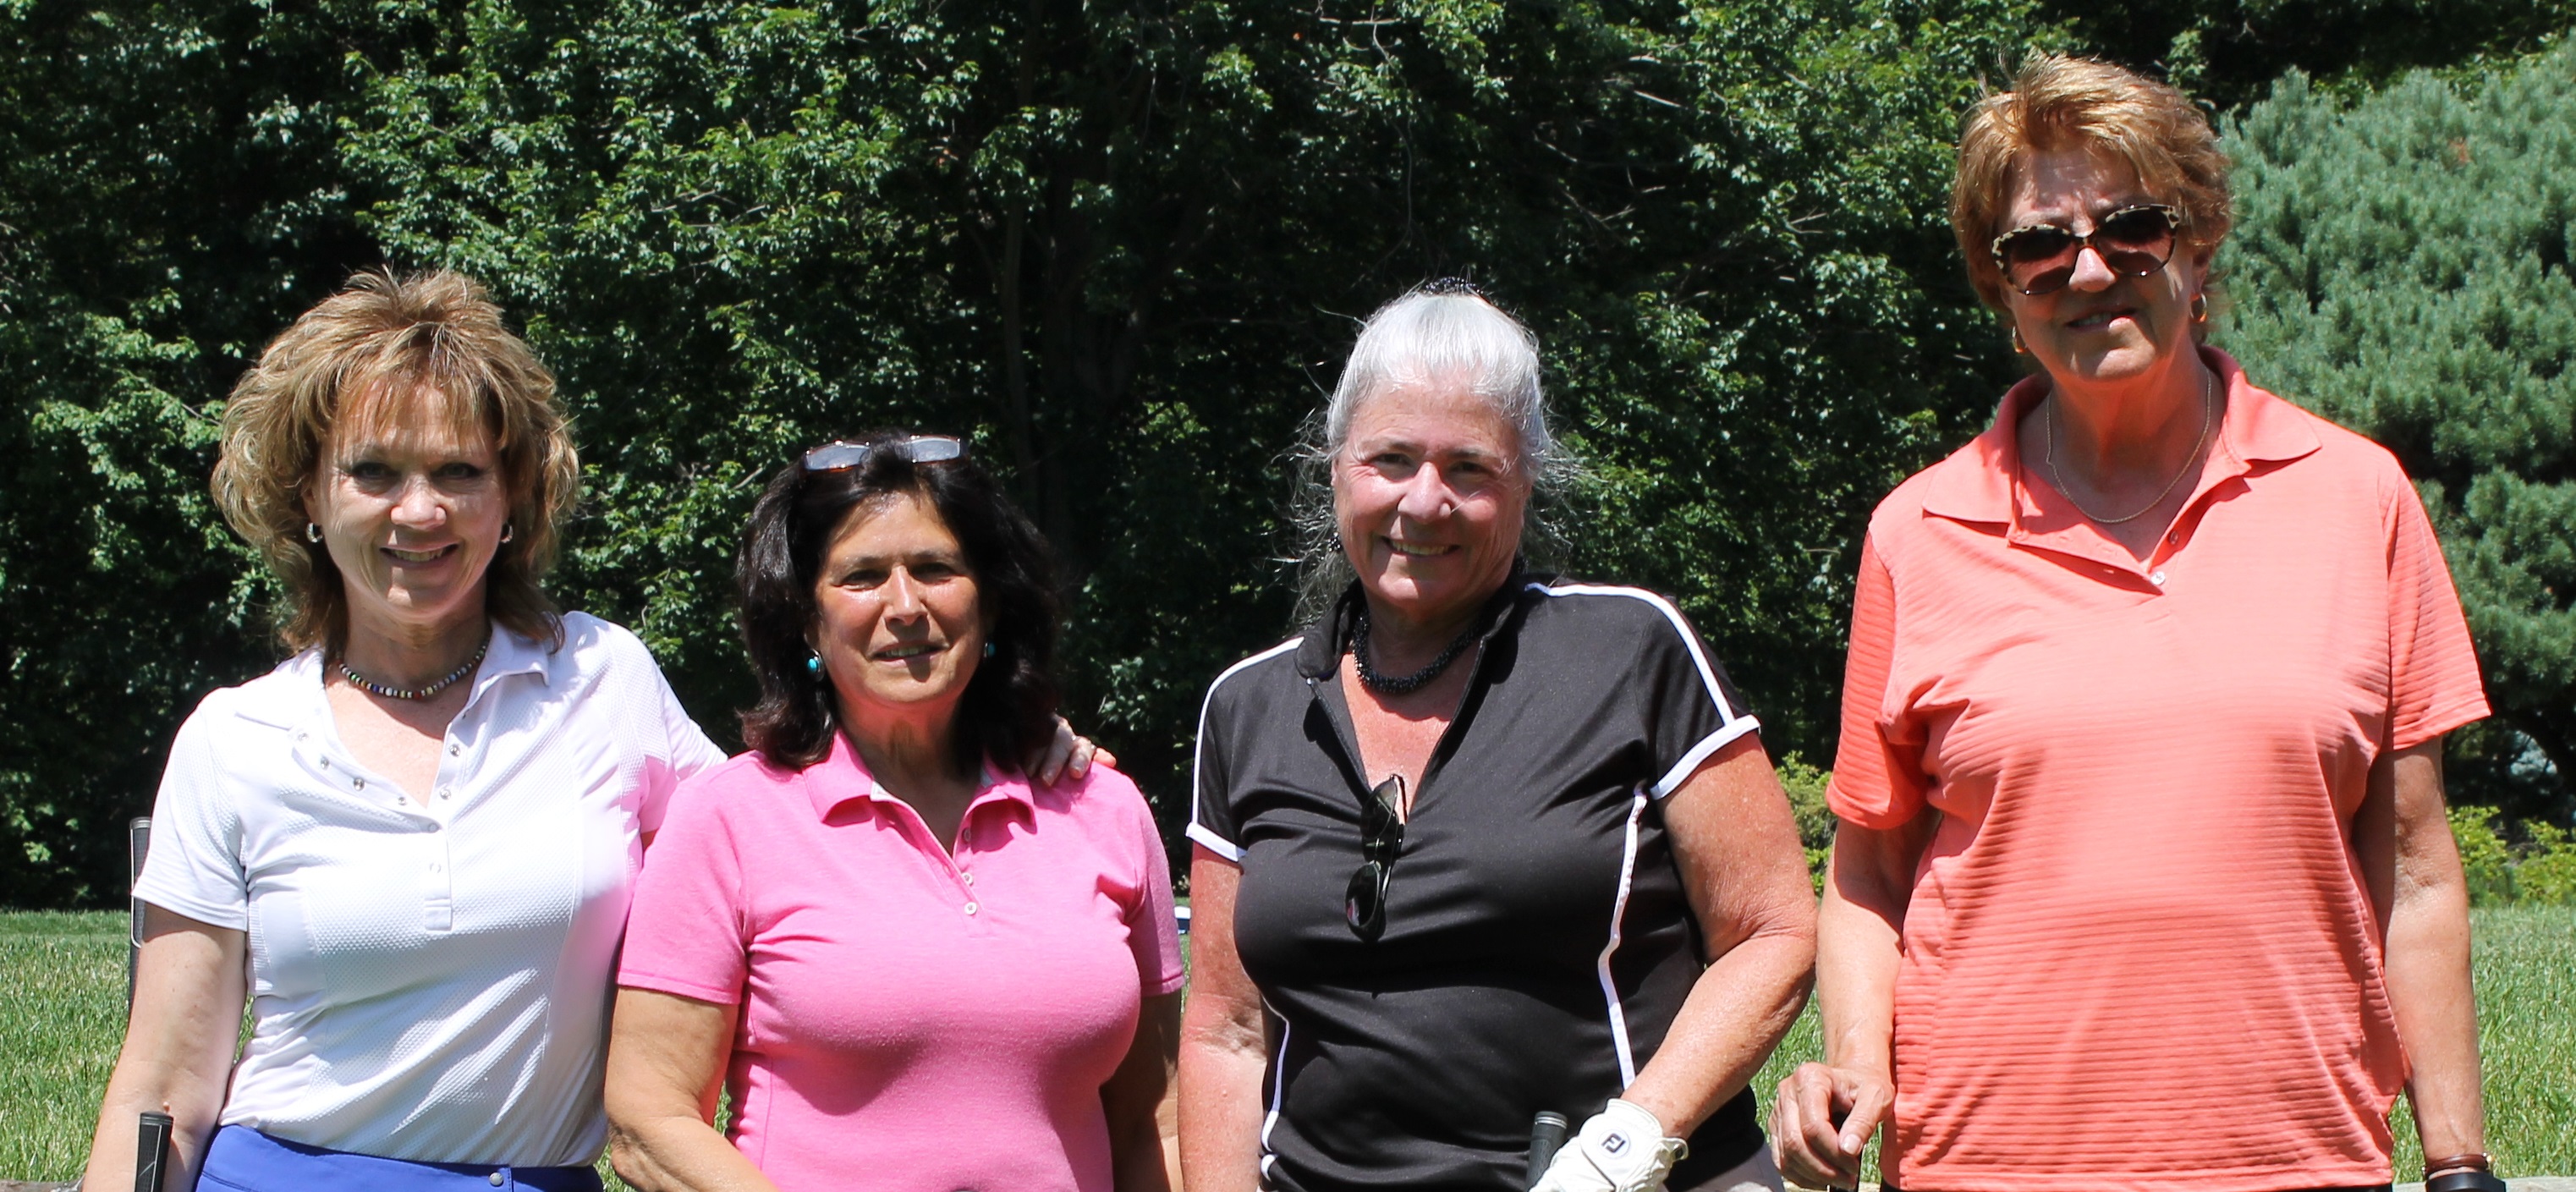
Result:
pixel 1436 332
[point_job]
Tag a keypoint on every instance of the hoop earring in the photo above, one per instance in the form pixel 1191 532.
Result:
pixel 509 530
pixel 2019 348
pixel 312 533
pixel 2200 308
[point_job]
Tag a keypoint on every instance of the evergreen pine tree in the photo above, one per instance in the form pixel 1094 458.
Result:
pixel 2401 267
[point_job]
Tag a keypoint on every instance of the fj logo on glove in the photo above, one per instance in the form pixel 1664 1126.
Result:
pixel 1621 1149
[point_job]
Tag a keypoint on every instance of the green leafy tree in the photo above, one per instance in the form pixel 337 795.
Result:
pixel 1122 246
pixel 1126 248
pixel 2228 52
pixel 2401 266
pixel 164 206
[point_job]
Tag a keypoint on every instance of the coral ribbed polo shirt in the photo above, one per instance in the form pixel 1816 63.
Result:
pixel 2140 951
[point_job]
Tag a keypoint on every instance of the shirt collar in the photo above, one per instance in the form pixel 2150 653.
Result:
pixel 1319 653
pixel 842 776
pixel 1980 482
pixel 511 653
pixel 514 653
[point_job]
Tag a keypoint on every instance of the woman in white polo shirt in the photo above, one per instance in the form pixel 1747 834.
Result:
pixel 410 845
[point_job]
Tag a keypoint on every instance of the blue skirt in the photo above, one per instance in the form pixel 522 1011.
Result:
pixel 245 1160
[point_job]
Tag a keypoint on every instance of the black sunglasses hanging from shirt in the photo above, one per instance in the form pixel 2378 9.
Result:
pixel 1381 838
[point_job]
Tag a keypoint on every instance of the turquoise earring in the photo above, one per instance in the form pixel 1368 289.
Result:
pixel 988 649
pixel 814 664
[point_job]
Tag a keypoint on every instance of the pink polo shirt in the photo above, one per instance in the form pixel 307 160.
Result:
pixel 2141 953
pixel 911 1020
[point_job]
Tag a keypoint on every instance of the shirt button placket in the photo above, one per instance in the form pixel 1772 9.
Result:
pixel 438 913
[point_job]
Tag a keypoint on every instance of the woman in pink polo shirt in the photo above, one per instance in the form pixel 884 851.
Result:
pixel 911 969
pixel 2143 879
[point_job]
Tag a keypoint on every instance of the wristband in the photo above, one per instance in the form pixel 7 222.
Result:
pixel 2465 1180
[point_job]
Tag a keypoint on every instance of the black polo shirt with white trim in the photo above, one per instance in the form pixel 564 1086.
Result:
pixel 1538 941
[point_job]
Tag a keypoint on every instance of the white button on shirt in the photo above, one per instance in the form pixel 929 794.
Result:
pixel 428 982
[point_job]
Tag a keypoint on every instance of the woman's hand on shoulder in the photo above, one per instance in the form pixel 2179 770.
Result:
pixel 1067 757
pixel 1822 1120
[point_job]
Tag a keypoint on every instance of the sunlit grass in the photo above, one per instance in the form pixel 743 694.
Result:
pixel 62 999
pixel 2526 976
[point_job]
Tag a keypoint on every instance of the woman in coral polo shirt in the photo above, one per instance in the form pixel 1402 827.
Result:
pixel 2143 879
pixel 912 969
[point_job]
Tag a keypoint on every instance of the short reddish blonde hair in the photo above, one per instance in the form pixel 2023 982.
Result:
pixel 2058 103
pixel 391 353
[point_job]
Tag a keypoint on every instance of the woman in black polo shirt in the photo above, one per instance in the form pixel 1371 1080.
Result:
pixel 1481 843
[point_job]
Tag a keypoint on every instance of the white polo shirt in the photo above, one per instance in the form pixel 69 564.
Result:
pixel 428 982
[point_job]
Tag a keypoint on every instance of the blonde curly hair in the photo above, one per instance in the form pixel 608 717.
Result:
pixel 389 353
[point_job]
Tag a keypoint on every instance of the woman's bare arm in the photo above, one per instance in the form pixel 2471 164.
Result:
pixel 1224 1042
pixel 2421 896
pixel 189 985
pixel 1142 1102
pixel 666 1064
pixel 1827 1112
pixel 1736 845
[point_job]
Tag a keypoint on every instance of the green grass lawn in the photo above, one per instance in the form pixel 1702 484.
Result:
pixel 62 1014
pixel 2526 975
pixel 64 989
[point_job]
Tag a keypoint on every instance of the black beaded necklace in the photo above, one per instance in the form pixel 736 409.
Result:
pixel 424 691
pixel 1399 684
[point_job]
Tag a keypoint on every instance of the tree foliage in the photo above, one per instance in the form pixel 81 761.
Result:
pixel 165 205
pixel 2228 52
pixel 1123 247
pixel 2402 267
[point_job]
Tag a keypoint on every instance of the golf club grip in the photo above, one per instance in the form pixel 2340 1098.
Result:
pixel 1547 1136
pixel 151 1150
pixel 138 845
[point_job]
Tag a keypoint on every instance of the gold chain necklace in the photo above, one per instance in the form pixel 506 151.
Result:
pixel 2208 420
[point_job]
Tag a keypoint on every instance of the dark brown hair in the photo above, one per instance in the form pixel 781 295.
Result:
pixel 1008 711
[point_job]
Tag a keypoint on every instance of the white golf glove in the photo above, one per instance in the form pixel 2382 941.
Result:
pixel 1622 1149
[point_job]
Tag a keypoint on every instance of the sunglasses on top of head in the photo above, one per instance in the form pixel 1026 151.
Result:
pixel 916 449
pixel 2133 241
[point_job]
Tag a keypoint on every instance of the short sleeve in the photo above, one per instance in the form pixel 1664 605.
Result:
pixel 2433 681
pixel 687 933
pixel 195 865
pixel 1878 778
pixel 1693 709
pixel 1211 804
pixel 686 750
pixel 1151 933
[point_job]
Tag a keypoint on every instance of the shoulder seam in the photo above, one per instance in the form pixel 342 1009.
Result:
pixel 1198 743
pixel 1247 663
pixel 1730 725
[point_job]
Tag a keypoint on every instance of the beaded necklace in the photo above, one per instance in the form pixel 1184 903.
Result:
pixel 424 691
pixel 1399 684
